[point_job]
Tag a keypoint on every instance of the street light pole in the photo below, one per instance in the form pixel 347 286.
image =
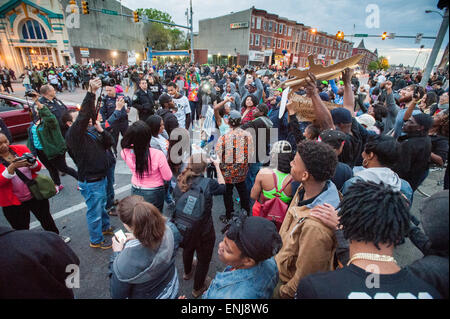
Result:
pixel 192 34
pixel 436 47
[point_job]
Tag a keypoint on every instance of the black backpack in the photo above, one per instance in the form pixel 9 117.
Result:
pixel 190 212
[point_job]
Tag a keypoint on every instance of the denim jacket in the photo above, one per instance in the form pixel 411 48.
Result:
pixel 257 282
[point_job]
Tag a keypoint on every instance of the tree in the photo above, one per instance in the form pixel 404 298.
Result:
pixel 164 37
pixel 373 66
pixel 383 63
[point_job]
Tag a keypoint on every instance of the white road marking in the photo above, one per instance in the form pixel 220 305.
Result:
pixel 76 208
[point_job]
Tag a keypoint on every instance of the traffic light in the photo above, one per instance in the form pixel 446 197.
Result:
pixel 73 5
pixel 340 35
pixel 85 7
pixel 383 36
pixel 136 16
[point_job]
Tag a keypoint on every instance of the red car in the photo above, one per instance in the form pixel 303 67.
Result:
pixel 16 113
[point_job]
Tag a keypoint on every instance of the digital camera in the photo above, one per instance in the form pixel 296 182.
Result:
pixel 106 80
pixel 30 94
pixel 27 156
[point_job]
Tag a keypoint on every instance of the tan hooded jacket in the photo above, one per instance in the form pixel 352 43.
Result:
pixel 308 245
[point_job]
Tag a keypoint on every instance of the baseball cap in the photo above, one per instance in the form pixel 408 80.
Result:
pixel 341 115
pixel 324 96
pixel 234 118
pixel 256 237
pixel 366 120
pixel 334 138
pixel 281 147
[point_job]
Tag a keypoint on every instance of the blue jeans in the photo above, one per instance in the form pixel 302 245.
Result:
pixel 154 196
pixel 97 219
pixel 110 187
pixel 71 85
pixel 253 170
pixel 27 87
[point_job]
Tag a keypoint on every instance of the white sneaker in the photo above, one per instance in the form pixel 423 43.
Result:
pixel 65 238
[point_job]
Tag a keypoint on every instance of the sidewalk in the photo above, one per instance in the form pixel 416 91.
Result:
pixel 71 98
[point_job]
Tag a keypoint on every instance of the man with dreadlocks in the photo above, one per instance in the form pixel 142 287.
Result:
pixel 375 219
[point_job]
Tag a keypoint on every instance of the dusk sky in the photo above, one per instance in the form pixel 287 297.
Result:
pixel 400 17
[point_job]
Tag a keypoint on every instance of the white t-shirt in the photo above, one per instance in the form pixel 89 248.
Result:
pixel 381 78
pixel 182 104
pixel 53 79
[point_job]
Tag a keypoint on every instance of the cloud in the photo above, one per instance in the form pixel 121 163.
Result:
pixel 400 17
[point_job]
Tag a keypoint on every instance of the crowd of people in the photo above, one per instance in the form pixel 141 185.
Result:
pixel 320 205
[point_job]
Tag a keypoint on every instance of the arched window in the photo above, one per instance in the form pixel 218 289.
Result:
pixel 32 30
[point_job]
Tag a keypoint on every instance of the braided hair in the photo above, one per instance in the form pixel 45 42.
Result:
pixel 375 213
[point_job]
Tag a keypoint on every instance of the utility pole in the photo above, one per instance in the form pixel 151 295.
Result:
pixel 192 34
pixel 437 45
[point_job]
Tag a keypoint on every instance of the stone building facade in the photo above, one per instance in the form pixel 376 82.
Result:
pixel 33 33
pixel 368 56
pixel 40 33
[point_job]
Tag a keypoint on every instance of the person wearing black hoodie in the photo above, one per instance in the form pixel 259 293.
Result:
pixel 415 148
pixel 433 267
pixel 170 120
pixel 33 265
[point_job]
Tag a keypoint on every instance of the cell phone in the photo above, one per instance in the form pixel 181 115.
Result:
pixel 120 236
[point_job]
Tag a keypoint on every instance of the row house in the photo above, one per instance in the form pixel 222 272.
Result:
pixel 255 36
pixel 288 43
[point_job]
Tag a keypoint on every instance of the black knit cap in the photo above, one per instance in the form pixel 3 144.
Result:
pixel 256 237
pixel 424 120
pixel 164 98
pixel 341 115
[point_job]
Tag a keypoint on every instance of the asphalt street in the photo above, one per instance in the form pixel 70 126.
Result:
pixel 69 211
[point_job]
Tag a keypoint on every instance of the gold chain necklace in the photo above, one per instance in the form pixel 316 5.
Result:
pixel 373 257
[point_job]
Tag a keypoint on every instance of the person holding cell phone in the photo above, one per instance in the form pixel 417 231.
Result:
pixel 143 263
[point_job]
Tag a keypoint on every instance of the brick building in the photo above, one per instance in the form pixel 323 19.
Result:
pixel 266 38
pixel 368 56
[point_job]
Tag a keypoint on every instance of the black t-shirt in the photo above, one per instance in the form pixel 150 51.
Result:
pixel 343 173
pixel 353 282
pixel 439 146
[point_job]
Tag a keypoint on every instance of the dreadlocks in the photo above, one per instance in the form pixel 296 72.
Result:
pixel 374 213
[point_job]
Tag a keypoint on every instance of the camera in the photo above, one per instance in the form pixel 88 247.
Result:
pixel 248 69
pixel 127 101
pixel 27 156
pixel 106 80
pixel 30 94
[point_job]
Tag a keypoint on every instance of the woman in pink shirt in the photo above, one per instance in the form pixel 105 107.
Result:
pixel 149 166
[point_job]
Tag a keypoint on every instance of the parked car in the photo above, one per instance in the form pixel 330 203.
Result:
pixel 17 114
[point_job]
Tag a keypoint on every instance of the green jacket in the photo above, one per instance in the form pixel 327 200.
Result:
pixel 49 134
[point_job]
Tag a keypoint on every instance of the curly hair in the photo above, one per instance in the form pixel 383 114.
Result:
pixel 443 128
pixel 374 213
pixel 254 101
pixel 320 159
